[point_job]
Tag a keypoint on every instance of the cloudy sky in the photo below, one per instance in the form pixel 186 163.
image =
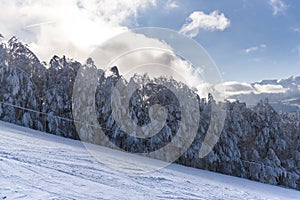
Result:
pixel 249 40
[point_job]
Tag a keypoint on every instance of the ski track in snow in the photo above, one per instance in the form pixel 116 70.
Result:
pixel 36 165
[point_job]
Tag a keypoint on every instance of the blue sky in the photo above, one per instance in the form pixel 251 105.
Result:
pixel 249 40
pixel 262 41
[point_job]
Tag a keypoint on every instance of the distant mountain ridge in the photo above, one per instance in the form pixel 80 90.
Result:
pixel 283 94
pixel 292 83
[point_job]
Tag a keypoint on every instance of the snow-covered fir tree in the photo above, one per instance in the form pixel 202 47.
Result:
pixel 256 143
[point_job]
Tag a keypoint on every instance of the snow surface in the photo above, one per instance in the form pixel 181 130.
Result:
pixel 36 165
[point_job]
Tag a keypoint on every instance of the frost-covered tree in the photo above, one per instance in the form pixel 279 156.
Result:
pixel 255 143
pixel 57 96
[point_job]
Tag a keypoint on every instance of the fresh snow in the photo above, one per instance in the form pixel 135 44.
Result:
pixel 36 165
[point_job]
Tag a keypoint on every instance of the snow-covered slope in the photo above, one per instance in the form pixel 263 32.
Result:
pixel 35 165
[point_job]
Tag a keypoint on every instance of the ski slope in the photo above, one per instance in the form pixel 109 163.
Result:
pixel 36 165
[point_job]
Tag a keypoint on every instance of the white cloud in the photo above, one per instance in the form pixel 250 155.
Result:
pixel 234 88
pixel 255 48
pixel 70 27
pixel 263 46
pixel 278 6
pixel 76 27
pixel 250 49
pixel 171 4
pixel 140 54
pixel 237 88
pixel 199 20
pixel 269 88
pixel 295 29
